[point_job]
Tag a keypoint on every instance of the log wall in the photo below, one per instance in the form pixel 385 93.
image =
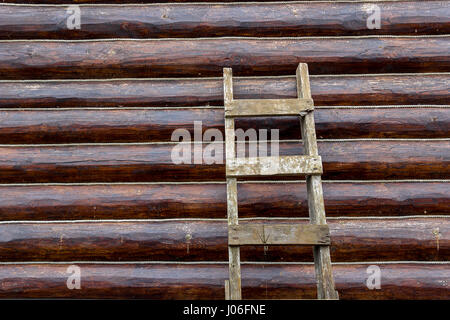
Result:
pixel 86 123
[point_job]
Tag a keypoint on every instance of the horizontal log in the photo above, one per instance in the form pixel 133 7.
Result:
pixel 326 90
pixel 406 239
pixel 207 57
pixel 416 159
pixel 206 281
pixel 150 201
pixel 239 19
pixel 142 125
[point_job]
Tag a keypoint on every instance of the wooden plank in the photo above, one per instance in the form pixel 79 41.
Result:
pixel 233 289
pixel 233 251
pixel 274 166
pixel 227 289
pixel 278 234
pixel 322 259
pixel 268 107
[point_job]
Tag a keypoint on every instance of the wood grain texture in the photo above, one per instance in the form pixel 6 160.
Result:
pixel 322 261
pixel 205 241
pixel 233 288
pixel 208 56
pixel 238 19
pixel 274 166
pixel 268 107
pixel 421 159
pixel 200 281
pixel 326 90
pixel 406 239
pixel 148 201
pixel 278 234
pixel 141 125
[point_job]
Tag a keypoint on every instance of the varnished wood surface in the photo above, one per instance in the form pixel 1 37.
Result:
pixel 157 201
pixel 426 159
pixel 141 125
pixel 326 91
pixel 407 239
pixel 206 281
pixel 215 20
pixel 207 57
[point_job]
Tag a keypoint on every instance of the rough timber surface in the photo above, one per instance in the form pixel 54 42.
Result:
pixel 44 126
pixel 208 200
pixel 342 159
pixel 416 281
pixel 213 20
pixel 203 57
pixel 327 90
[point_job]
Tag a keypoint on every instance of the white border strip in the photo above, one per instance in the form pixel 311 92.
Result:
pixel 193 79
pixel 413 106
pixel 216 262
pixel 112 144
pixel 217 219
pixel 218 182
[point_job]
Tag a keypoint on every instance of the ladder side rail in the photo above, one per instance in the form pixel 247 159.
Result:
pixel 322 259
pixel 233 286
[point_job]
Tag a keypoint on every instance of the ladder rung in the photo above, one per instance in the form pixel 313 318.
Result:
pixel 266 166
pixel 278 234
pixel 268 107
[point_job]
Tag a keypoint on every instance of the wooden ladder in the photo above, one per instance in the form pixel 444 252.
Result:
pixel 310 164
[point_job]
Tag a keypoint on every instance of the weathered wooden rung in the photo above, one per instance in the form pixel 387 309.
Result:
pixel 278 234
pixel 268 166
pixel 268 107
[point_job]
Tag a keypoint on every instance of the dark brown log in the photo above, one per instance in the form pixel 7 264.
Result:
pixel 154 201
pixel 208 56
pixel 206 281
pixel 240 19
pixel 407 239
pixel 142 125
pixel 326 91
pixel 417 159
